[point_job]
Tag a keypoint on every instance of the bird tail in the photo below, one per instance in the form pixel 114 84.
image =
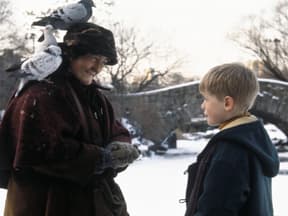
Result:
pixel 21 75
pixel 13 67
pixel 42 22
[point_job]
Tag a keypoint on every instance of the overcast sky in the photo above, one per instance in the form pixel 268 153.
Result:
pixel 197 29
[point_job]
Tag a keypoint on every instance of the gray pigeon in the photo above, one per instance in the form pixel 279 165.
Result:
pixel 39 66
pixel 42 63
pixel 49 39
pixel 63 17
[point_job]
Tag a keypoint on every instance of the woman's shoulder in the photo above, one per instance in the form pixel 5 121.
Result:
pixel 42 88
pixel 43 91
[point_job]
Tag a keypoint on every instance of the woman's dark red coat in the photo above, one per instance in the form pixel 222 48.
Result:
pixel 50 161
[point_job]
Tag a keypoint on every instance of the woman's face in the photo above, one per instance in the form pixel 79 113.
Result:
pixel 85 68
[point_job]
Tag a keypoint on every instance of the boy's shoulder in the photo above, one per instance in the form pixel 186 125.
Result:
pixel 230 149
pixel 239 140
pixel 241 130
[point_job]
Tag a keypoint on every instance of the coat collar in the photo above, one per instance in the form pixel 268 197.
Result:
pixel 239 121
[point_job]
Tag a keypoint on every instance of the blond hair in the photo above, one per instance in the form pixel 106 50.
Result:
pixel 234 80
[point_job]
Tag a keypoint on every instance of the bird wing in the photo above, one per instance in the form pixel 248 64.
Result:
pixel 39 66
pixel 15 67
pixel 56 22
pixel 42 64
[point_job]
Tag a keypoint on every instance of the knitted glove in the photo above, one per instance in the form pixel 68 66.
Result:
pixel 106 161
pixel 122 153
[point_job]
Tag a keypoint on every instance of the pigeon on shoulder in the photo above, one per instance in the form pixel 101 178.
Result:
pixel 38 66
pixel 42 63
pixel 48 38
pixel 45 61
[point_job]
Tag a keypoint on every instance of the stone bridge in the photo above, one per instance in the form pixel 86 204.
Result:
pixel 160 111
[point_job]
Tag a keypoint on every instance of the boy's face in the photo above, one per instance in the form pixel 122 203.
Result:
pixel 214 109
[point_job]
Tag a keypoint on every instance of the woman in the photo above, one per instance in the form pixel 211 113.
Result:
pixel 60 144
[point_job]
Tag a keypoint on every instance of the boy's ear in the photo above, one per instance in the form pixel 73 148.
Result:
pixel 228 103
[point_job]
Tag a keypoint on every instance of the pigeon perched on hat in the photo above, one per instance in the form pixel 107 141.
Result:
pixel 63 17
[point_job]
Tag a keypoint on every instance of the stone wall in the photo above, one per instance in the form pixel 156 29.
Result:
pixel 272 103
pixel 163 110
pixel 7 83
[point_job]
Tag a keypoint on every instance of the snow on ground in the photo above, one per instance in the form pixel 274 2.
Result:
pixel 274 133
pixel 2 200
pixel 153 186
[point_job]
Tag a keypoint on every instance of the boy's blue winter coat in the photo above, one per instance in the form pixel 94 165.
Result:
pixel 237 179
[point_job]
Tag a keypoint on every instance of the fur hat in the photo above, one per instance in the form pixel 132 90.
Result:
pixel 89 38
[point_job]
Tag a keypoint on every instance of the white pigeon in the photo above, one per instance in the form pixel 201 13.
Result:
pixel 47 51
pixel 48 38
pixel 42 63
pixel 39 66
pixel 63 17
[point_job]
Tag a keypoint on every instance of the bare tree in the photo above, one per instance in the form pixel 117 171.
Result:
pixel 267 39
pixel 134 55
pixel 5 11
pixel 130 55
pixel 158 78
pixel 176 78
pixel 5 14
pixel 10 37
pixel 7 56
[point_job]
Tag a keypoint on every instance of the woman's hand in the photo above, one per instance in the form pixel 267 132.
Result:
pixel 122 153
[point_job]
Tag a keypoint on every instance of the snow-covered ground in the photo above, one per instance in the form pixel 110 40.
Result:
pixel 2 200
pixel 154 185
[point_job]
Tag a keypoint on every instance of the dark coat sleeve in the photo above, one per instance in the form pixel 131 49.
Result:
pixel 226 185
pixel 117 130
pixel 46 136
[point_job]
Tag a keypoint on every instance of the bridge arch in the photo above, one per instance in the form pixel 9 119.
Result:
pixel 160 111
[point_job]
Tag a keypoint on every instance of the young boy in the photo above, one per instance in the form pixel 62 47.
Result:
pixel 232 175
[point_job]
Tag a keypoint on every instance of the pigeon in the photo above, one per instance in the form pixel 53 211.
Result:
pixel 41 50
pixel 48 38
pixel 63 17
pixel 38 66
pixel 42 64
